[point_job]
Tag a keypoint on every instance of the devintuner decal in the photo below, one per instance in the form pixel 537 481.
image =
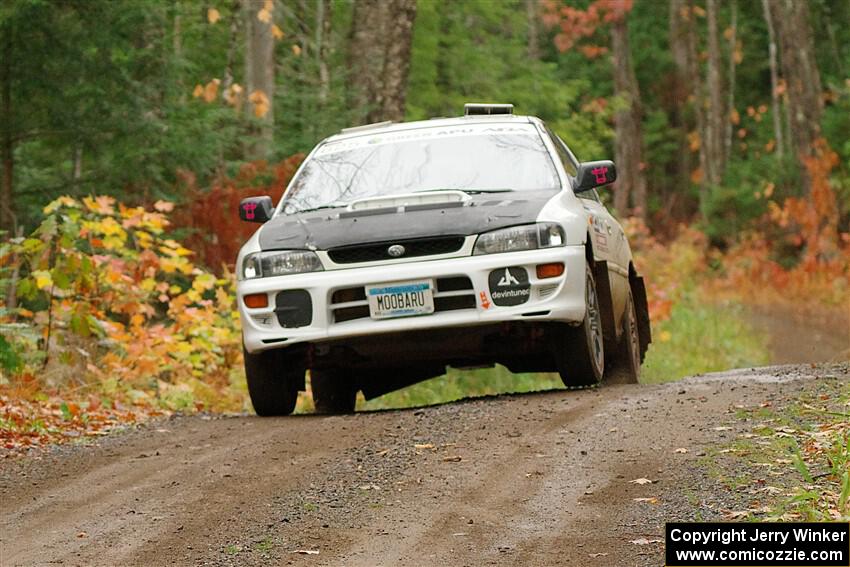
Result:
pixel 509 286
pixel 768 544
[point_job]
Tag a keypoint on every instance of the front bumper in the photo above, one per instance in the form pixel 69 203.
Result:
pixel 558 299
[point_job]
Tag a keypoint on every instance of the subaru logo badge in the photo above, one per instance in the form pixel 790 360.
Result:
pixel 396 250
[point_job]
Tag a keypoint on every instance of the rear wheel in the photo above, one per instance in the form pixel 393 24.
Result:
pixel 626 368
pixel 333 391
pixel 273 381
pixel 579 351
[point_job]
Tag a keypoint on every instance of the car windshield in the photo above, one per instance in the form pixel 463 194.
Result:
pixel 473 158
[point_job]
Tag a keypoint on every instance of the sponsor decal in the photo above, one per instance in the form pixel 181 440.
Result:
pixel 249 209
pixel 509 286
pixel 485 301
pixel 601 174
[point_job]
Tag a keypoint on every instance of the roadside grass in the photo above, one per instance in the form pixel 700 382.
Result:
pixel 702 336
pixel 699 336
pixel 459 384
pixel 794 462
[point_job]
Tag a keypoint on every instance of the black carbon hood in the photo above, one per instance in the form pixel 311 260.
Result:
pixel 326 229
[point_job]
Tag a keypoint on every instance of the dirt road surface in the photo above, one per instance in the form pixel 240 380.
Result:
pixel 538 479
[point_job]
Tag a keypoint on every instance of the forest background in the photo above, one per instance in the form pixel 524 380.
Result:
pixel 129 130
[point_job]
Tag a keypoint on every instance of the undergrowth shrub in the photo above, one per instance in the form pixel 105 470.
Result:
pixel 107 300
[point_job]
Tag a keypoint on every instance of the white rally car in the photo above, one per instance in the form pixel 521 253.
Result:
pixel 401 249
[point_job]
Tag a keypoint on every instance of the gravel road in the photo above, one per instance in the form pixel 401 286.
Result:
pixel 539 479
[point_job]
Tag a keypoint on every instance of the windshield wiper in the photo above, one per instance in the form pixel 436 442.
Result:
pixel 334 205
pixel 467 191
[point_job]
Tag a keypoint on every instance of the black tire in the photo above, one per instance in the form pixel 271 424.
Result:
pixel 273 381
pixel 333 391
pixel 580 357
pixel 626 364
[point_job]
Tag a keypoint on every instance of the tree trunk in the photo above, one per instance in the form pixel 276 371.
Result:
pixel 730 91
pixel 776 102
pixel 688 91
pixel 365 56
pixel 683 88
pixel 399 41
pixel 259 76
pixel 716 124
pixel 8 220
pixel 379 58
pixel 628 148
pixel 799 68
pixel 324 16
pixel 532 14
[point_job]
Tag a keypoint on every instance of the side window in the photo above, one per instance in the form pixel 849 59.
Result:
pixel 591 195
pixel 563 154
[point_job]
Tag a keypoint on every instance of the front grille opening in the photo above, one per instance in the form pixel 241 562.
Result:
pixel 457 283
pixel 351 313
pixel 349 294
pixel 454 302
pixel 380 250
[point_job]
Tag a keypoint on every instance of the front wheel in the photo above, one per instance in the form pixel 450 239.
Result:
pixel 579 351
pixel 273 381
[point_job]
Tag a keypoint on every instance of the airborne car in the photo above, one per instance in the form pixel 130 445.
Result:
pixel 400 249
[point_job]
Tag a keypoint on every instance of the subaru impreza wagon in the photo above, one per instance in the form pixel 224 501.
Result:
pixel 398 250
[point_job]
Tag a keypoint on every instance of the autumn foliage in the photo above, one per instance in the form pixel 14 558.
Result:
pixel 108 303
pixel 210 216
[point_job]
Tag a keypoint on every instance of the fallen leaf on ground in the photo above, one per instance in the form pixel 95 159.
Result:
pixel 452 459
pixel 722 428
pixel 307 551
pixel 423 446
pixel 647 500
pixel 640 481
pixel 681 450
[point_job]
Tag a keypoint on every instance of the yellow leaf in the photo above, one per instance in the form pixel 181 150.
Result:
pixel 261 103
pixel 211 90
pixel 264 16
pixel 277 32
pixel 63 201
pixel 213 15
pixel 233 95
pixel 102 204
pixel 296 49
pixel 43 279
pixel 204 282
pixel 199 91
pixel 163 206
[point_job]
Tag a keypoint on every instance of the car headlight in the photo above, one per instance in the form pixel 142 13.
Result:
pixel 280 263
pixel 525 237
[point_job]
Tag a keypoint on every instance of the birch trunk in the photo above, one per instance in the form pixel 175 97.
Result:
pixel 628 148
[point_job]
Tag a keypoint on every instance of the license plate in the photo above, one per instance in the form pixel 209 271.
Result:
pixel 402 299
